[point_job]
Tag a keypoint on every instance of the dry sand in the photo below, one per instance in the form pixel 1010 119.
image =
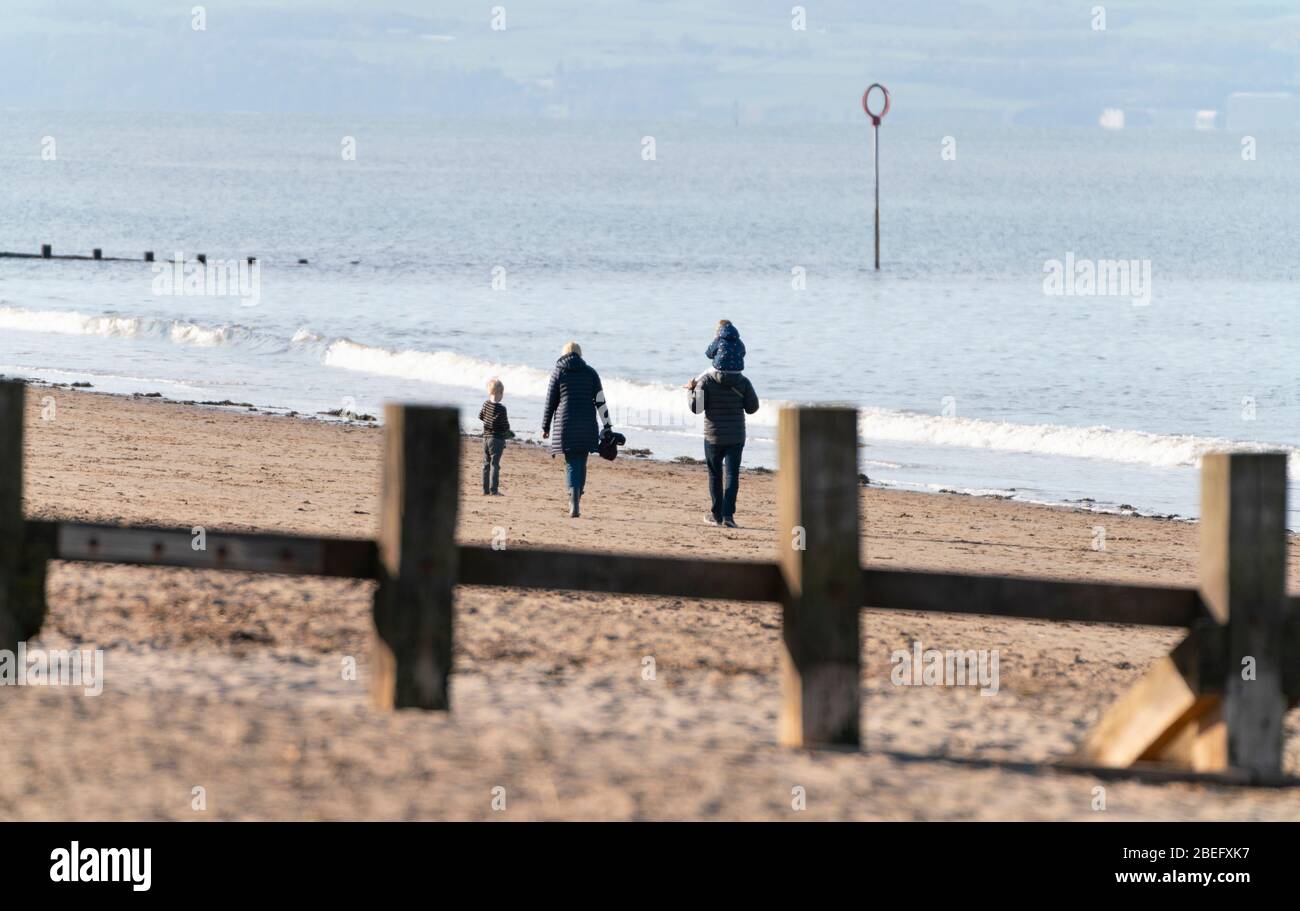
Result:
pixel 233 683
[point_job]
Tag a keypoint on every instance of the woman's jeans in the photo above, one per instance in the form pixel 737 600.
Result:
pixel 718 458
pixel 575 471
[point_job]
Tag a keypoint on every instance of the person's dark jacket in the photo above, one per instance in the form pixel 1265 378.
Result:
pixel 727 350
pixel 724 399
pixel 573 398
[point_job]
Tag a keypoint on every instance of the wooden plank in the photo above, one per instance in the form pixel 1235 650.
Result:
pixel 1158 718
pixel 1197 739
pixel 1040 599
pixel 1243 583
pixel 236 551
pixel 668 577
pixel 418 558
pixel 817 543
pixel 22 563
pixel 1158 703
pixel 1199 743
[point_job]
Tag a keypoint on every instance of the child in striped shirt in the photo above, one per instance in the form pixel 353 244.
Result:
pixel 496 429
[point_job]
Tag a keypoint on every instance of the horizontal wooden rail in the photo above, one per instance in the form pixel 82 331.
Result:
pixel 242 551
pixel 1038 599
pixel 594 571
pixel 668 577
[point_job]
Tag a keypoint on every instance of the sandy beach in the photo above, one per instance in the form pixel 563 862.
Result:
pixel 232 683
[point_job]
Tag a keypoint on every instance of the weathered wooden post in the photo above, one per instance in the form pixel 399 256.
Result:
pixel 148 256
pixel 1215 704
pixel 202 258
pixel 418 560
pixel 1243 584
pixel 817 527
pixel 97 253
pixel 22 562
pixel 47 250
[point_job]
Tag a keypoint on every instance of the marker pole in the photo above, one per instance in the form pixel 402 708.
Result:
pixel 875 157
pixel 875 132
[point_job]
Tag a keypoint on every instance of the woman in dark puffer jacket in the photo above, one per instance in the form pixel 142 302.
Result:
pixel 573 400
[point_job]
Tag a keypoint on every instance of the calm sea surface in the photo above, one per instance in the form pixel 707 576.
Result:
pixel 447 253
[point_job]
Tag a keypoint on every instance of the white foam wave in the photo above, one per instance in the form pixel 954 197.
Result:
pixel 662 405
pixel 73 323
pixel 305 336
pixel 632 403
pixel 1098 442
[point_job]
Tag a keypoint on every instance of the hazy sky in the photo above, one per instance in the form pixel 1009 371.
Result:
pixel 945 60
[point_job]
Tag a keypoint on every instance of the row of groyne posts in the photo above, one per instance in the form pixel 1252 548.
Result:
pixel 47 252
pixel 1213 708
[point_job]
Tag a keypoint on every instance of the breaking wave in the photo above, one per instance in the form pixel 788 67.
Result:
pixel 658 404
pixel 1098 442
pixel 72 323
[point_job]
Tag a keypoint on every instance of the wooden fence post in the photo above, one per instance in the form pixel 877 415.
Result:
pixel 22 563
pixel 817 527
pixel 1243 584
pixel 1205 707
pixel 418 560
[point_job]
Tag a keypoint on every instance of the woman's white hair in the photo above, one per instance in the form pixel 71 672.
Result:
pixel 572 348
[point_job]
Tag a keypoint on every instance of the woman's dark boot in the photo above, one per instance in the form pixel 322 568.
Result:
pixel 574 497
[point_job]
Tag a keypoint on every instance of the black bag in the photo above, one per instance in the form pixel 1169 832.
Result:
pixel 609 443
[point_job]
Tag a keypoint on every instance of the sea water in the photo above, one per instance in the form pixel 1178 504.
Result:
pixel 440 254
